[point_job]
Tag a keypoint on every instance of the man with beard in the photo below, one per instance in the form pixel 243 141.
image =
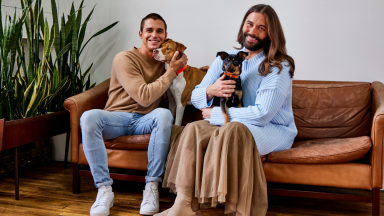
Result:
pixel 210 164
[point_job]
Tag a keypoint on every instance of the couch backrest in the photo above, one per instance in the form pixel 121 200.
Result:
pixel 325 109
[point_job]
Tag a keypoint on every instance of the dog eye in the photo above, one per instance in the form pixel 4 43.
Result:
pixel 168 48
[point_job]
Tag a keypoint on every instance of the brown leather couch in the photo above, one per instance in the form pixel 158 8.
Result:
pixel 339 142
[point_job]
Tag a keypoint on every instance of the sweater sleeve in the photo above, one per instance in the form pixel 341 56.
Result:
pixel 270 97
pixel 199 94
pixel 131 79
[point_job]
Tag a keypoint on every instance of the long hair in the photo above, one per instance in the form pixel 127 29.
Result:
pixel 275 50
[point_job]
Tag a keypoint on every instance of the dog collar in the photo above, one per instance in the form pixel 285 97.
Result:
pixel 181 70
pixel 231 75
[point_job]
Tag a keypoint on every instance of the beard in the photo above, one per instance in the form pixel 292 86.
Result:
pixel 258 45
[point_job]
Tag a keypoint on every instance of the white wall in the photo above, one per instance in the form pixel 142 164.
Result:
pixel 329 40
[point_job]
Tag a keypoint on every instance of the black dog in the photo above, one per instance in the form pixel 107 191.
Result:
pixel 232 70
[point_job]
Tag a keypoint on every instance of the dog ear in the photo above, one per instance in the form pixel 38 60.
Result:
pixel 180 47
pixel 223 55
pixel 242 55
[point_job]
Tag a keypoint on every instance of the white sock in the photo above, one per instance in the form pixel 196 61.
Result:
pixel 148 183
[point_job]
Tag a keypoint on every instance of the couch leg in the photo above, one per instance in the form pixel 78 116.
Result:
pixel 76 179
pixel 376 202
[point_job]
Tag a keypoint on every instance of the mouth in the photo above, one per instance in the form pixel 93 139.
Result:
pixel 154 42
pixel 156 57
pixel 251 38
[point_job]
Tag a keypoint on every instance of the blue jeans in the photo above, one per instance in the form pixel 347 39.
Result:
pixel 99 125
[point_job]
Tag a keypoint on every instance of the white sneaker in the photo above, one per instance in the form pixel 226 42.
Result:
pixel 150 203
pixel 104 201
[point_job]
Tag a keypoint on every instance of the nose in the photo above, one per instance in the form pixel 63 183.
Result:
pixel 155 51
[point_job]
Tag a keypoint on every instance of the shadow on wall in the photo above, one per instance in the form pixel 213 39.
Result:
pixel 105 50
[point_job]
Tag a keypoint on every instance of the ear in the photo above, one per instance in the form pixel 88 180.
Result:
pixel 242 55
pixel 180 47
pixel 223 55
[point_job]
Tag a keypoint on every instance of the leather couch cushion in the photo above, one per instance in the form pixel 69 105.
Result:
pixel 135 142
pixel 324 151
pixel 345 175
pixel 331 109
pixel 125 159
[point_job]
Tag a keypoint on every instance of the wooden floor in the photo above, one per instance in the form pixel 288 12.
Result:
pixel 47 190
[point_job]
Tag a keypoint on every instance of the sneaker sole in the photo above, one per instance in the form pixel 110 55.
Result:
pixel 149 213
pixel 101 214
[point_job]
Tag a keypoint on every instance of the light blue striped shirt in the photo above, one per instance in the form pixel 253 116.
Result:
pixel 267 102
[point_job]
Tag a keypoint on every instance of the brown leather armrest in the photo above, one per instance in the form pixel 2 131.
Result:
pixel 377 133
pixel 94 98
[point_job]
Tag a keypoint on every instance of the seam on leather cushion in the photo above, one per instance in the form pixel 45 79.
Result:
pixel 320 151
pixel 331 110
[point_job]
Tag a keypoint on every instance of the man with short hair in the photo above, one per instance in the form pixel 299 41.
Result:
pixel 137 83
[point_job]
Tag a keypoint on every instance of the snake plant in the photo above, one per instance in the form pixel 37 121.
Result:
pixel 35 85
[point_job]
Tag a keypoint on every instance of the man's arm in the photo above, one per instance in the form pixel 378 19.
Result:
pixel 130 77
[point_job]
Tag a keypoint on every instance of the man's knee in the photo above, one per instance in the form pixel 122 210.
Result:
pixel 164 116
pixel 89 120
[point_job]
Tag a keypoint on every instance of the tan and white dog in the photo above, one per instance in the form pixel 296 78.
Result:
pixel 180 90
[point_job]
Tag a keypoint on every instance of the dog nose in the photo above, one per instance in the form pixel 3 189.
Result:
pixel 155 51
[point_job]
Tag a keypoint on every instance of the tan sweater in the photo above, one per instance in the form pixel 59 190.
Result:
pixel 137 83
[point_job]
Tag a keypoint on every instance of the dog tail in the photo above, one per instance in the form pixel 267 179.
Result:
pixel 223 105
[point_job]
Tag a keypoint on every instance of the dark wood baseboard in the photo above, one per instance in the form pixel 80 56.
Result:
pixel 319 195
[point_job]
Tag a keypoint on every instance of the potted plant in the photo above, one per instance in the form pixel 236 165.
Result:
pixel 30 88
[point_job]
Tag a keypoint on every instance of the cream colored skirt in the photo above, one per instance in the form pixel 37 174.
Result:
pixel 222 164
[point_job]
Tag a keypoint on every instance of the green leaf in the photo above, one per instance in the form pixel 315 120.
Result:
pixel 64 50
pixel 79 15
pixel 74 47
pixel 55 26
pixel 1 26
pixel 41 21
pixel 83 28
pixel 87 71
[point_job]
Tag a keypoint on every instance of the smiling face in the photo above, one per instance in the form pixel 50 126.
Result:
pixel 255 35
pixel 153 34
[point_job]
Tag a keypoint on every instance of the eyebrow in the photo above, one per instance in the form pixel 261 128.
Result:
pixel 249 21
pixel 150 28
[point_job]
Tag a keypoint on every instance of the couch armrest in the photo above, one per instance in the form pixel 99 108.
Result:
pixel 94 98
pixel 377 134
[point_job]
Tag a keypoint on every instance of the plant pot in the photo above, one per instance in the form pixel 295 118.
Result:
pixel 23 131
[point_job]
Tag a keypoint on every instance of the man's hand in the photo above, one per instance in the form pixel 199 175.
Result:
pixel 221 88
pixel 204 68
pixel 176 65
pixel 207 112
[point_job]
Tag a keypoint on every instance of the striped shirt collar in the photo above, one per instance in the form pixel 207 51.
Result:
pixel 257 58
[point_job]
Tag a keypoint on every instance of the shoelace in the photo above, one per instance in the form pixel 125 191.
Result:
pixel 102 199
pixel 149 197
